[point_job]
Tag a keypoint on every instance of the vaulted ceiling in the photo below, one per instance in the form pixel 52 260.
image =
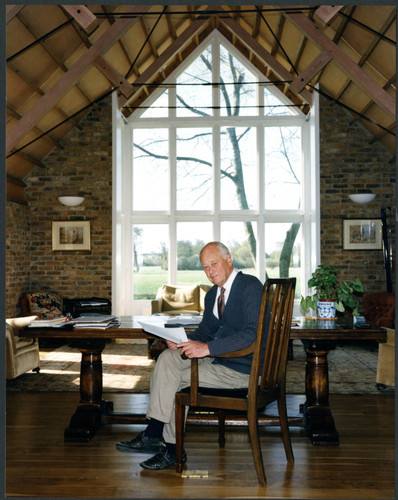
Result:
pixel 63 59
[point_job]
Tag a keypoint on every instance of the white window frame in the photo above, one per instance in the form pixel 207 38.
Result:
pixel 124 217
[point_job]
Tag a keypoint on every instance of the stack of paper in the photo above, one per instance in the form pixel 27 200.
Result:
pixel 102 322
pixel 183 320
pixel 59 322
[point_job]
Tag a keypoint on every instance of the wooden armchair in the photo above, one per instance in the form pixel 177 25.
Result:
pixel 276 311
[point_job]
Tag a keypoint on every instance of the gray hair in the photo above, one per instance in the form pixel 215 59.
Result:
pixel 223 248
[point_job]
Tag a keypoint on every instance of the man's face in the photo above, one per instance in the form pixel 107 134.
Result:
pixel 216 267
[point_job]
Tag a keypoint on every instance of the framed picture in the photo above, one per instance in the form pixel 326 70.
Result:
pixel 362 234
pixel 71 235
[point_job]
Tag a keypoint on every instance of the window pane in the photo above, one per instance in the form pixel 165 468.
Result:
pixel 239 180
pixel 240 238
pixel 150 259
pixel 160 108
pixel 150 169
pixel 283 168
pixel 191 238
pixel 273 106
pixel 238 94
pixel 194 169
pixel 194 99
pixel 282 251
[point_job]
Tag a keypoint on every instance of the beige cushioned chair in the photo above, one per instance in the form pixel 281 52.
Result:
pixel 386 361
pixel 174 300
pixel 22 354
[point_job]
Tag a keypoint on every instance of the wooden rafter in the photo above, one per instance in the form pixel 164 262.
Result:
pixel 12 11
pixel 326 13
pixel 149 74
pixel 83 16
pixel 69 79
pixel 36 129
pixel 261 52
pixel 362 79
pixel 310 71
pixel 47 47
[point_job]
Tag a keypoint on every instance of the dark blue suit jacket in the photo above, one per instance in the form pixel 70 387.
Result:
pixel 238 326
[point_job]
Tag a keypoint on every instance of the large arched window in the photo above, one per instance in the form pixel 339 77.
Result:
pixel 217 153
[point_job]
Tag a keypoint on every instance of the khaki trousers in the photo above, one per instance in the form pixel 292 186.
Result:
pixel 172 373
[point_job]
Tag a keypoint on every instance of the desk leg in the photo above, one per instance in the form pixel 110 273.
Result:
pixel 87 418
pixel 318 418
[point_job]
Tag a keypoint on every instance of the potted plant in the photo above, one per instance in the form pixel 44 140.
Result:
pixel 331 294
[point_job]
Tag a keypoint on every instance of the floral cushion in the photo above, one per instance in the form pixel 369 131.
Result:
pixel 45 304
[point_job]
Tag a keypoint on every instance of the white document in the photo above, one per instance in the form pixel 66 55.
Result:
pixel 176 335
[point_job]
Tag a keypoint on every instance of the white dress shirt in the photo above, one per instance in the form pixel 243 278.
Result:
pixel 227 285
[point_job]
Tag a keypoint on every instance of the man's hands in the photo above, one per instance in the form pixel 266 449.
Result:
pixel 194 349
pixel 191 349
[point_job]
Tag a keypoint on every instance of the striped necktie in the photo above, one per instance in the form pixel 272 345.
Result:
pixel 221 303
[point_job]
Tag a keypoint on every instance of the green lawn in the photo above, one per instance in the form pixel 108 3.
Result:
pixel 149 279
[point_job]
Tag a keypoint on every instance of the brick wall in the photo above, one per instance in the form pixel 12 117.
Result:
pixel 17 255
pixel 84 167
pixel 350 163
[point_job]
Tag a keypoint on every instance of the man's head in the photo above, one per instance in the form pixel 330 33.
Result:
pixel 216 262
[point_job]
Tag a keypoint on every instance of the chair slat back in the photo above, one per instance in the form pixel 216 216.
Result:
pixel 274 325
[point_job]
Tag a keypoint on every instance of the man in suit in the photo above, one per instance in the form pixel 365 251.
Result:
pixel 229 323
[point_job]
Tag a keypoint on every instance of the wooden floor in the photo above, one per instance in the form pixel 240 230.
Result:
pixel 40 464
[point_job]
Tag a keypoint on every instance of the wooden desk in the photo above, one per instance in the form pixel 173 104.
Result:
pixel 319 338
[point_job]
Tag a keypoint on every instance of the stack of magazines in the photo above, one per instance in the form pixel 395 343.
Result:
pixel 59 322
pixel 102 322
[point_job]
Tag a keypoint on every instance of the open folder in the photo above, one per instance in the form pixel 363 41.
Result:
pixel 176 335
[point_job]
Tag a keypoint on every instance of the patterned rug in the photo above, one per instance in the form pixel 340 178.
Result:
pixel 126 368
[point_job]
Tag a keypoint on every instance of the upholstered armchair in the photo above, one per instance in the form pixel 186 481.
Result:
pixel 174 300
pixel 22 354
pixel 380 308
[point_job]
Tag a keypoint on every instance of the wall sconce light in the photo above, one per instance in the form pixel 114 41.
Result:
pixel 71 201
pixel 362 197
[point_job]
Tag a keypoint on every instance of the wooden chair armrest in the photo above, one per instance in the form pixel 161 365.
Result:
pixel 193 398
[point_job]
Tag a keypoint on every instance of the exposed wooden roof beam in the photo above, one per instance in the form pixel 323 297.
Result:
pixel 36 129
pixel 261 52
pixel 275 45
pixel 146 31
pixel 69 79
pixel 338 35
pixel 47 47
pixel 30 158
pixel 41 92
pixel 167 55
pixel 83 16
pixel 362 79
pixel 116 79
pixel 327 13
pixel 12 11
pixel 15 189
pixel 310 71
pixel 122 44
pixel 371 48
pixel 382 134
pixel 365 109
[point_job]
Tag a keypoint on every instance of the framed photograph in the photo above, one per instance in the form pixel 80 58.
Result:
pixel 362 234
pixel 71 235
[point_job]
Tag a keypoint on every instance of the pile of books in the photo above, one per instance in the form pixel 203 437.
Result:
pixel 97 321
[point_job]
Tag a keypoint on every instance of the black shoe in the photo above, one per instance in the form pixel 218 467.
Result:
pixel 163 460
pixel 142 444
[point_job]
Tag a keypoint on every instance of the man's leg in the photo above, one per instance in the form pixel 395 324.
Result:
pixel 165 381
pixel 210 375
